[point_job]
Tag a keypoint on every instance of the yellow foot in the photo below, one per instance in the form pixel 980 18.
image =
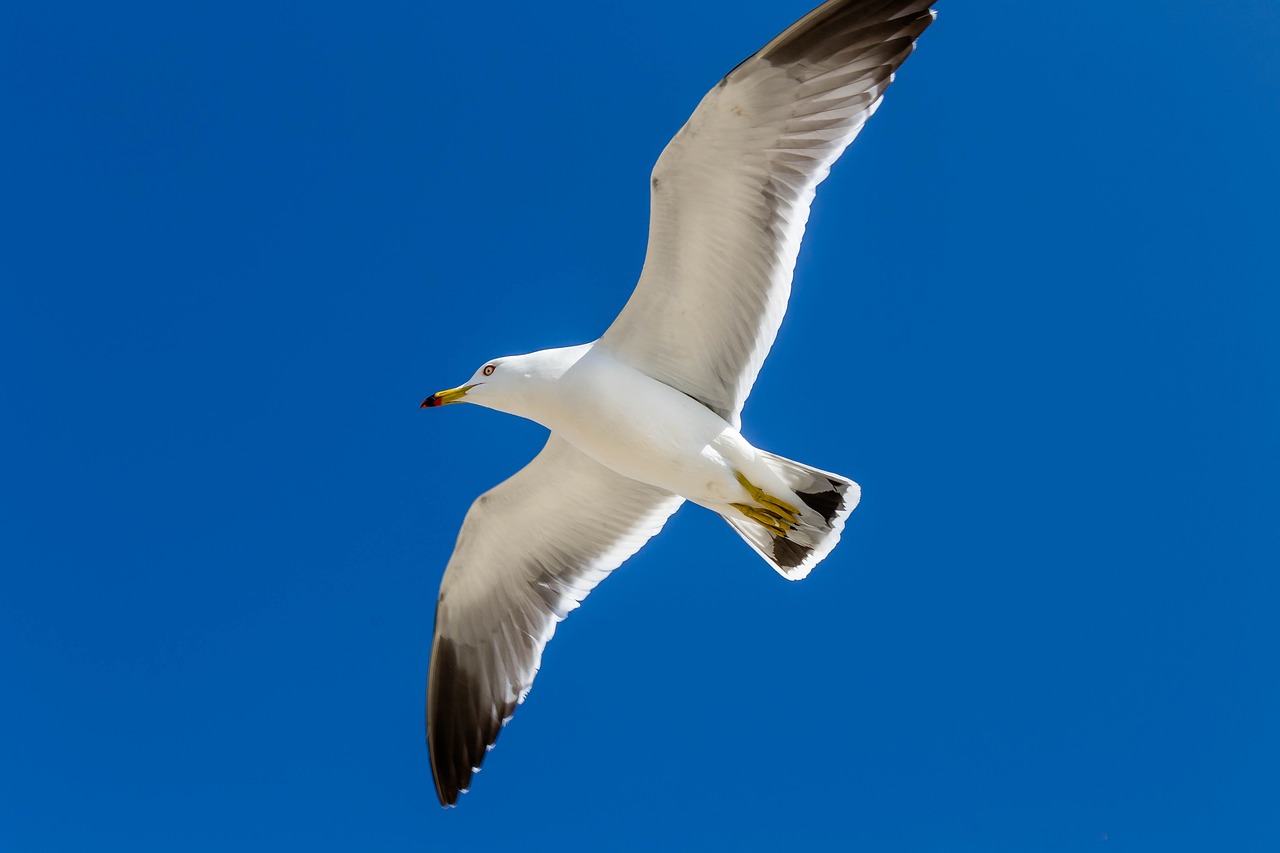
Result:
pixel 766 518
pixel 774 505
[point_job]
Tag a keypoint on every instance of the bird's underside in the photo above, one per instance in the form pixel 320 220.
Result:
pixel 730 197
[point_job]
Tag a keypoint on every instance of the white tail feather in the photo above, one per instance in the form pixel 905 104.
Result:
pixel 824 499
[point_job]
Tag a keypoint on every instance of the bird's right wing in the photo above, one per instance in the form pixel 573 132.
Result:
pixel 529 551
pixel 731 192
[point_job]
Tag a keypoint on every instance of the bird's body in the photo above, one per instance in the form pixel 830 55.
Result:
pixel 647 416
pixel 632 424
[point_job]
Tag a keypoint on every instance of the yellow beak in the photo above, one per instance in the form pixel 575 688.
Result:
pixel 443 398
pixel 446 397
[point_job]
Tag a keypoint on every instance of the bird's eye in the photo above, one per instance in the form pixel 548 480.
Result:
pixel 488 369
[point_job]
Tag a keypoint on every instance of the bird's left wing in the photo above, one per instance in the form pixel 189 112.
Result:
pixel 730 196
pixel 530 550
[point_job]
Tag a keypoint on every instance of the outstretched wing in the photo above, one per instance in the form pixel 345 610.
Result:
pixel 731 192
pixel 530 550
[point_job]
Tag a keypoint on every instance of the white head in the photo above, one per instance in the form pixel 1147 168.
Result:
pixel 515 384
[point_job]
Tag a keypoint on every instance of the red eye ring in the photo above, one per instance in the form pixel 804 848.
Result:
pixel 488 369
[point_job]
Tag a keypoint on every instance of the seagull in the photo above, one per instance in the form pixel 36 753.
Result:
pixel 647 416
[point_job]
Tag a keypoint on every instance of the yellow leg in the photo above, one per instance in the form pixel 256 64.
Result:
pixel 778 507
pixel 767 519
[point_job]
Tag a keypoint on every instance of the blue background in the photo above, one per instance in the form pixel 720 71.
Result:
pixel 1035 316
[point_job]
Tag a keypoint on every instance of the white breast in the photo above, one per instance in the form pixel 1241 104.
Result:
pixel 646 430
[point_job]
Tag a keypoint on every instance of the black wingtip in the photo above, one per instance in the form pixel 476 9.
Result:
pixel 831 28
pixel 463 719
pixel 448 724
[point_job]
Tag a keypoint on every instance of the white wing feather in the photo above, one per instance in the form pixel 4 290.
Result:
pixel 530 551
pixel 731 192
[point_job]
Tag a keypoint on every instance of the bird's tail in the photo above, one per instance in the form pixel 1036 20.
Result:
pixel 794 542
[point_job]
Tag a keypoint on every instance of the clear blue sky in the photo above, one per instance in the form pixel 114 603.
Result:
pixel 1035 317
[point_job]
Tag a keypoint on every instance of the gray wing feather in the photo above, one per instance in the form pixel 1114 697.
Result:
pixel 731 192
pixel 530 550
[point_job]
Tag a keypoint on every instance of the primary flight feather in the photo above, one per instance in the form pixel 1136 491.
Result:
pixel 647 416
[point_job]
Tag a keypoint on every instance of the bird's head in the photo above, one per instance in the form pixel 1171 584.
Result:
pixel 487 382
pixel 513 384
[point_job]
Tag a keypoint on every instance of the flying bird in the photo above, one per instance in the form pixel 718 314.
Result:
pixel 647 416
